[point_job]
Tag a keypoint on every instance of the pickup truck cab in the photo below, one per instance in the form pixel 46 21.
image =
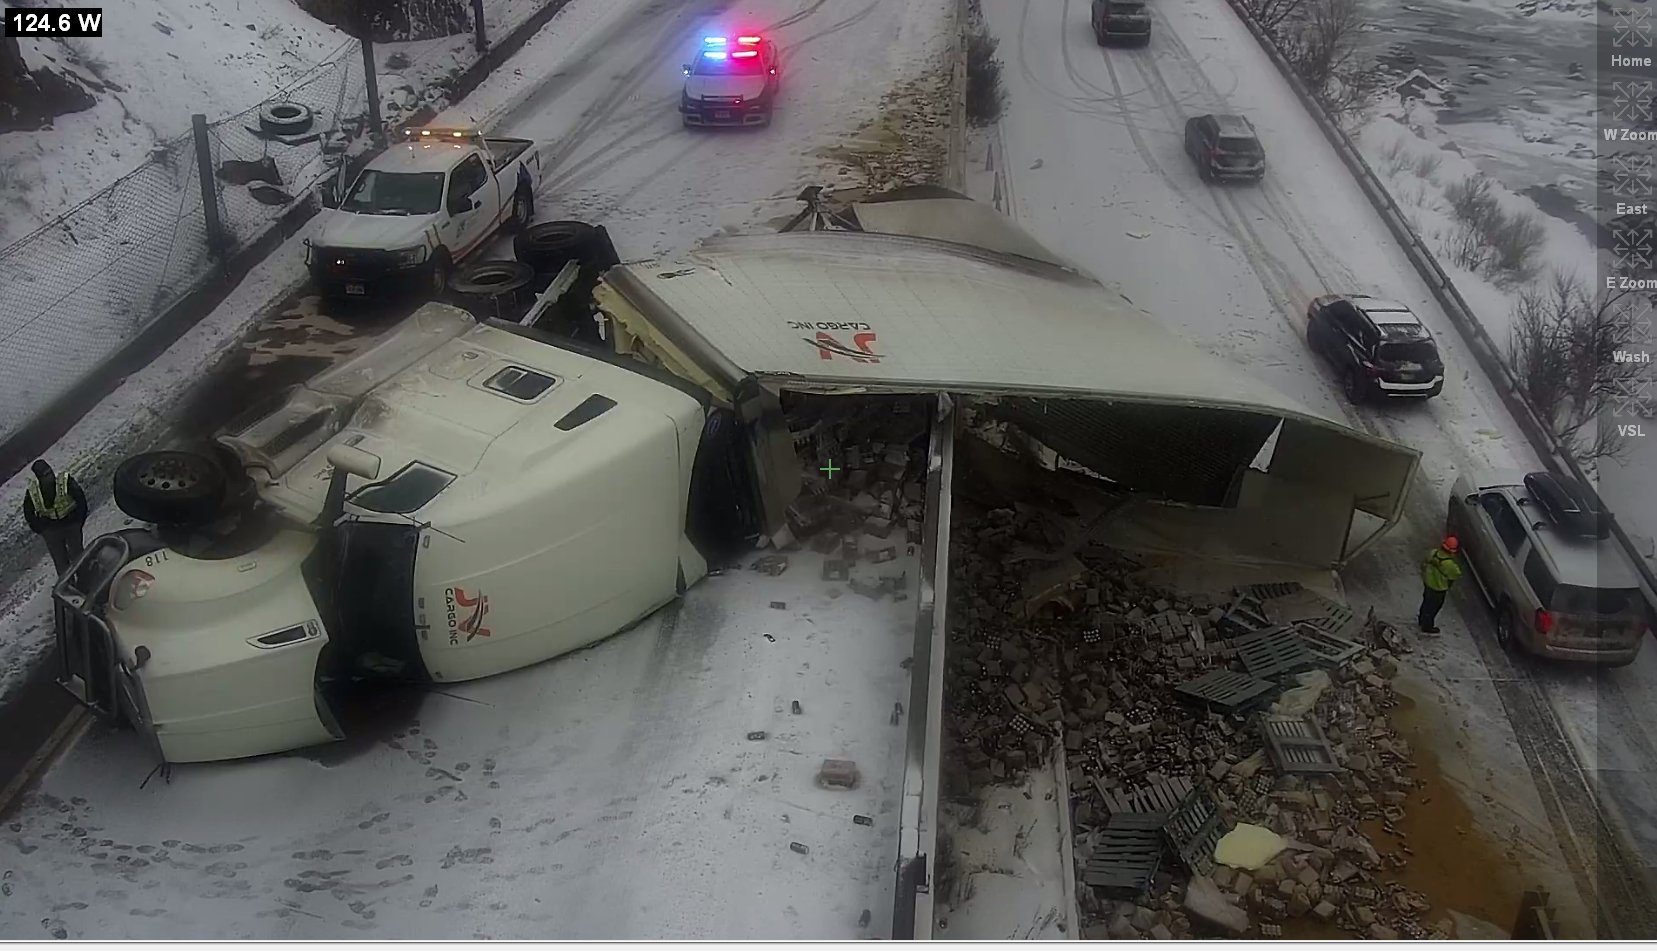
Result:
pixel 460 500
pixel 420 207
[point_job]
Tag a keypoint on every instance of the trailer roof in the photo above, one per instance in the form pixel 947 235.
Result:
pixel 955 298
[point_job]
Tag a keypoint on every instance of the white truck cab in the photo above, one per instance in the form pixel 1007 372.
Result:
pixel 419 207
pixel 461 500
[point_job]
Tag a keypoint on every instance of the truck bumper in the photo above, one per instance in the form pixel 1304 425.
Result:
pixel 726 115
pixel 364 274
pixel 1407 390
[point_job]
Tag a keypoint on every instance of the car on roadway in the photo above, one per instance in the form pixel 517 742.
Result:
pixel 1121 21
pixel 1542 554
pixel 1379 347
pixel 420 207
pixel 1225 146
pixel 731 82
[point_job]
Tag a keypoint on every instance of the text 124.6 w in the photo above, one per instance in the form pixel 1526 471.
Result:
pixel 54 21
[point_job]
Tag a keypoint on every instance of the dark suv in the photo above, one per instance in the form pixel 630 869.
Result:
pixel 1225 147
pixel 1125 21
pixel 1379 347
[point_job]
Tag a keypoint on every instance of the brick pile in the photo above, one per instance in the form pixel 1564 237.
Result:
pixel 1074 650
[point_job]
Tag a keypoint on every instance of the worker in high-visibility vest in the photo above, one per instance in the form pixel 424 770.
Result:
pixel 1438 573
pixel 55 508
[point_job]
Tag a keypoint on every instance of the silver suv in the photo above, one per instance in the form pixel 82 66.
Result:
pixel 1540 550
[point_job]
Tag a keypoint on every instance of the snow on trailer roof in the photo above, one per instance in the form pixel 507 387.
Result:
pixel 963 301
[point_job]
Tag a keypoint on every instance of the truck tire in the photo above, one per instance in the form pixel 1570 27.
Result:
pixel 286 118
pixel 440 269
pixel 492 278
pixel 550 245
pixel 170 487
pixel 523 212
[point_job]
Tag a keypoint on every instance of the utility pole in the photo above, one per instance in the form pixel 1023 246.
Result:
pixel 370 80
pixel 209 189
pixel 480 35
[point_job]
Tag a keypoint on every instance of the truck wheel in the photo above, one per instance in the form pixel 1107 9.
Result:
pixel 170 487
pixel 286 118
pixel 1353 386
pixel 1504 626
pixel 440 273
pixel 548 246
pixel 523 212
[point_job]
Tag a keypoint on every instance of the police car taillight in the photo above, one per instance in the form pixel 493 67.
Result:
pixel 132 586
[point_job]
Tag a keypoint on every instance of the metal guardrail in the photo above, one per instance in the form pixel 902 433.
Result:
pixel 1485 349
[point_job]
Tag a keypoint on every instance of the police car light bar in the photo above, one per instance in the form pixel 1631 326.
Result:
pixel 713 41
pixel 745 54
pixel 714 54
pixel 747 40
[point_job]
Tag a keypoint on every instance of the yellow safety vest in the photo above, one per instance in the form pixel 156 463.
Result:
pixel 62 504
pixel 1440 570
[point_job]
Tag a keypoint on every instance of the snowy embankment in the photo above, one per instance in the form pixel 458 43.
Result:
pixel 161 60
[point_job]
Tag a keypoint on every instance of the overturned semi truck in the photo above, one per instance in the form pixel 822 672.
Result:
pixel 468 498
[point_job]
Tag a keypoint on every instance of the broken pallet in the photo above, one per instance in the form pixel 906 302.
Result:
pixel 1274 654
pixel 1227 691
pixel 1297 745
pixel 1126 855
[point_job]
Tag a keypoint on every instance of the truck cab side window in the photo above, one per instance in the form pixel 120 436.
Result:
pixel 467 178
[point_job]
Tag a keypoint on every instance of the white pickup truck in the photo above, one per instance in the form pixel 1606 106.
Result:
pixel 421 206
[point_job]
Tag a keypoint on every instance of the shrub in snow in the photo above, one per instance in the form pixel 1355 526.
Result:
pixel 985 94
pixel 1502 245
pixel 1563 352
pixel 1323 42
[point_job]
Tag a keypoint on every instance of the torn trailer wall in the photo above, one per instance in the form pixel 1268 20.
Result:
pixel 1098 380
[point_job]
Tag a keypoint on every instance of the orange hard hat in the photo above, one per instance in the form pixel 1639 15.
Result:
pixel 1450 543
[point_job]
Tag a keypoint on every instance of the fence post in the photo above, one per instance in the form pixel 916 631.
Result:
pixel 372 82
pixel 216 243
pixel 480 34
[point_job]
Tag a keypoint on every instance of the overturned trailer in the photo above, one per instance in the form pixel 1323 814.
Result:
pixel 924 291
pixel 929 294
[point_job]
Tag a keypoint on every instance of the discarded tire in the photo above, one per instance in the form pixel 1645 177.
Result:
pixel 170 487
pixel 550 245
pixel 492 278
pixel 286 118
pixel 499 289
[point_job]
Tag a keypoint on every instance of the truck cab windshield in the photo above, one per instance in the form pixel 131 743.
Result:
pixel 1127 9
pixel 395 193
pixel 746 66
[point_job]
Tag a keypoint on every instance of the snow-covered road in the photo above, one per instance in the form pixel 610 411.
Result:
pixel 1088 157
pixel 609 794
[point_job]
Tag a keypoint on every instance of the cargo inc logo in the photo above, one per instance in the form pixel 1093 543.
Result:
pixel 466 614
pixel 828 347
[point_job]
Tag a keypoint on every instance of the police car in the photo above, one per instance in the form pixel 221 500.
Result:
pixel 732 82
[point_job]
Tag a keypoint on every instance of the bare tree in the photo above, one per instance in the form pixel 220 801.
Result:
pixel 1271 14
pixel 1563 352
pixel 1323 42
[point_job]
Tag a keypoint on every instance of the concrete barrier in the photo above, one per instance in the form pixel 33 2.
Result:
pixel 1485 349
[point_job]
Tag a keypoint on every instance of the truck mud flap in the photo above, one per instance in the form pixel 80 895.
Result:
pixel 90 666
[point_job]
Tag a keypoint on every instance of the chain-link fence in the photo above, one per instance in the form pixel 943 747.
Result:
pixel 80 288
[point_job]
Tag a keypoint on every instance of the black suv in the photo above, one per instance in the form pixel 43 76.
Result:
pixel 1225 147
pixel 1379 347
pixel 1126 21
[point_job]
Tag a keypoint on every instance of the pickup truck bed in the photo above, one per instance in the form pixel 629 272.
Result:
pixel 505 150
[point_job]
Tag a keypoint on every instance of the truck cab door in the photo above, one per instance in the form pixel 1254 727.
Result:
pixel 468 217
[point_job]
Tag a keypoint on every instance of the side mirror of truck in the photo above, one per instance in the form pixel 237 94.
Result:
pixel 327 193
pixel 686 68
pixel 1472 499
pixel 357 462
